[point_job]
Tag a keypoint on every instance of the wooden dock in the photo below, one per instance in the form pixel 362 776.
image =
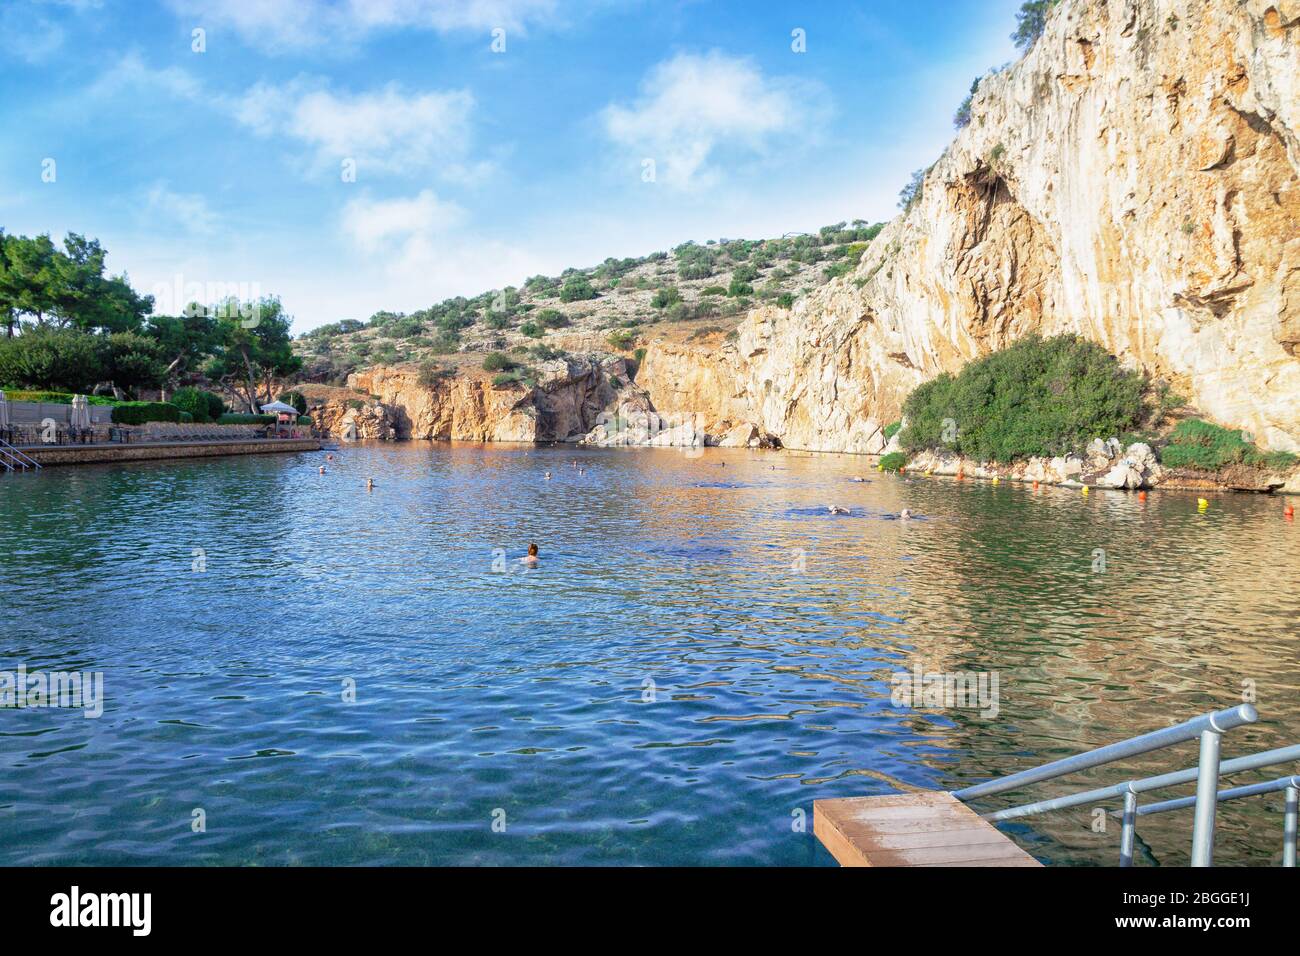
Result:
pixel 912 829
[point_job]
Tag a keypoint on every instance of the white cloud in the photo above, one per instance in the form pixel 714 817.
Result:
pixel 275 25
pixel 692 107
pixel 387 130
pixel 422 256
pixel 131 74
pixel 379 223
pixel 189 211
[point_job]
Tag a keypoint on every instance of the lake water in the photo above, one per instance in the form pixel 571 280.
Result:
pixel 701 653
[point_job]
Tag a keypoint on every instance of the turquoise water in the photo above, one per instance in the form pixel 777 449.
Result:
pixel 701 653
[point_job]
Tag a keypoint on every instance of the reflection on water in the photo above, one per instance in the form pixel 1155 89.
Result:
pixel 702 652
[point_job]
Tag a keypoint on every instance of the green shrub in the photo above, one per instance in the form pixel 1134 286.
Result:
pixel 304 420
pixel 297 399
pixel 545 353
pixel 892 429
pixel 666 297
pixel 507 378
pixel 714 290
pixel 739 288
pixel 497 362
pixel 1036 397
pixel 193 402
pixel 137 413
pixel 621 339
pixel 186 418
pixel 431 374
pixel 552 319
pixel 785 300
pixel 532 330
pixel 1199 444
pixel 894 461
pixel 575 289
pixel 1031 20
pixel 242 419
pixel 216 407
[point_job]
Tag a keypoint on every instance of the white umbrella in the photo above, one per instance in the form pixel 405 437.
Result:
pixel 80 412
pixel 279 408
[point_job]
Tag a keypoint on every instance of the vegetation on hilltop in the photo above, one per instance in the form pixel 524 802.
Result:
pixel 611 302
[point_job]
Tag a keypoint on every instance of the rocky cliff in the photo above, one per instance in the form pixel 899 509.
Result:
pixel 564 405
pixel 1133 179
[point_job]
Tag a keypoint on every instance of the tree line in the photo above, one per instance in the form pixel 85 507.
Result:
pixel 71 327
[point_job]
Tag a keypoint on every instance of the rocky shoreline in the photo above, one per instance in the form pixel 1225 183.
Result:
pixel 1110 466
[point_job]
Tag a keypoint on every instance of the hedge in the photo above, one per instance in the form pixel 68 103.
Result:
pixel 53 398
pixel 137 413
pixel 193 402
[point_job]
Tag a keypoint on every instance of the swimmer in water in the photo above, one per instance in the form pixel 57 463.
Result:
pixel 531 557
pixel 860 478
pixel 837 510
pixel 548 476
pixel 905 514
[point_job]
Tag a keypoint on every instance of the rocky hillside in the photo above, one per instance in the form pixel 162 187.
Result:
pixel 1133 179
pixel 691 290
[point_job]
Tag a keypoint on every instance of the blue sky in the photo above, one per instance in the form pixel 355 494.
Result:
pixel 603 127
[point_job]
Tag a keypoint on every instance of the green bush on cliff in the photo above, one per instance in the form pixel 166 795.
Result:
pixel 894 461
pixel 1036 397
pixel 892 429
pixel 1208 447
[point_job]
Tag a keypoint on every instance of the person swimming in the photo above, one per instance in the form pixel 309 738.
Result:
pixel 837 510
pixel 905 514
pixel 548 476
pixel 531 557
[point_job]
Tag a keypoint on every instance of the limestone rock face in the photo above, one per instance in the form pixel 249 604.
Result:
pixel 1134 179
pixel 563 406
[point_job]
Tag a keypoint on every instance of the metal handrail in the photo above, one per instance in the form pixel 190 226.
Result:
pixel 1208 727
pixel 22 458
pixel 1266 758
pixel 1291 786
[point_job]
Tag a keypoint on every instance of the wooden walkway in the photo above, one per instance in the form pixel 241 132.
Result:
pixel 912 829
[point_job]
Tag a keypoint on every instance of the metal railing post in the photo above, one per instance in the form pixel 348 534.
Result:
pixel 1207 798
pixel 1289 826
pixel 1129 832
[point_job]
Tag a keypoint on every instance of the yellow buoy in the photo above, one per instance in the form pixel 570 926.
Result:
pixel 995 479
pixel 929 473
pixel 1085 489
pixel 1202 503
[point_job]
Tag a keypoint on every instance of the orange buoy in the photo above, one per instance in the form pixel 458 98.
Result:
pixel 1142 496
pixel 1290 511
pixel 1035 486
